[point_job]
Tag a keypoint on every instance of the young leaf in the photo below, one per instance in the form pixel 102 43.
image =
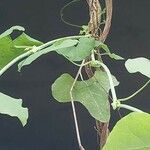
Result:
pixel 13 107
pixel 130 133
pixel 57 45
pixel 79 52
pixel 8 51
pixel 25 40
pixel 92 93
pixel 140 64
pixel 115 56
pixel 106 49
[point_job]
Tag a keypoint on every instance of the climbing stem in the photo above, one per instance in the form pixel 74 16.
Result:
pixel 73 107
pixel 62 14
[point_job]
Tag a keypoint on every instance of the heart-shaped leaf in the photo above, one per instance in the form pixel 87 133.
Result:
pixel 92 93
pixel 130 133
pixel 13 107
pixel 8 49
pixel 140 64
pixel 80 51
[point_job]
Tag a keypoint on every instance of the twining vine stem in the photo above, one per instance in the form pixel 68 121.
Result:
pixel 62 14
pixel 94 25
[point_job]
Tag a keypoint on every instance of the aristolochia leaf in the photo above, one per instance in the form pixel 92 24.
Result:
pixel 104 47
pixel 7 52
pixel 25 40
pixel 130 133
pixel 92 93
pixel 57 45
pixel 8 49
pixel 108 52
pixel 80 51
pixel 140 64
pixel 13 107
pixel 115 56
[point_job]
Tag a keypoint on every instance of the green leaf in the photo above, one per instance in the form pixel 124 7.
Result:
pixel 8 51
pixel 140 64
pixel 29 60
pixel 57 45
pixel 115 56
pixel 9 31
pixel 60 45
pixel 80 51
pixel 25 40
pixel 13 107
pixel 106 49
pixel 130 133
pixel 92 93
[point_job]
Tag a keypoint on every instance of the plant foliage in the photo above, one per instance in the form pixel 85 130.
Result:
pixel 13 107
pixel 92 93
pixel 130 133
pixel 140 64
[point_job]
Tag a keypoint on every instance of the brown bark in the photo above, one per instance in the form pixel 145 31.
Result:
pixel 94 28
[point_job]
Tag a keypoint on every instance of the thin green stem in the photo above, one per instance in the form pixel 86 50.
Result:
pixel 130 108
pixel 134 94
pixel 73 107
pixel 93 56
pixel 111 83
pixel 61 14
